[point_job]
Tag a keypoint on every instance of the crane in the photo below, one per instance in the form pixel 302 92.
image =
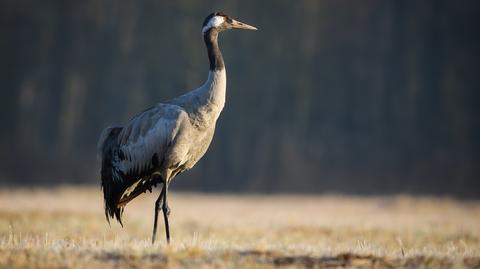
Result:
pixel 166 139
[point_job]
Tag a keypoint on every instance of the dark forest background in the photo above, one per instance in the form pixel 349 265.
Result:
pixel 329 96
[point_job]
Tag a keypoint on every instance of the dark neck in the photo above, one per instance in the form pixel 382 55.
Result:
pixel 214 55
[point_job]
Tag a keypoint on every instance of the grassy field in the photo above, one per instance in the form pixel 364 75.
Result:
pixel 66 228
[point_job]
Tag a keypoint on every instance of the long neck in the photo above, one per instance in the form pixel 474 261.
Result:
pixel 212 93
pixel 214 90
pixel 208 100
pixel 214 54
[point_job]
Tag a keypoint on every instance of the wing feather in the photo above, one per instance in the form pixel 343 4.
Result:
pixel 131 154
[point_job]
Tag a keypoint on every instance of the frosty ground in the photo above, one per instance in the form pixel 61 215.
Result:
pixel 66 227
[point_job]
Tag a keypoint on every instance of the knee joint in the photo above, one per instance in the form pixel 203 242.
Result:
pixel 166 209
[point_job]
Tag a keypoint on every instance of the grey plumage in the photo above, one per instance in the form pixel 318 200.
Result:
pixel 167 139
pixel 178 131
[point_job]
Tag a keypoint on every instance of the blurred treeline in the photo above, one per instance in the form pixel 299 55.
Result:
pixel 342 96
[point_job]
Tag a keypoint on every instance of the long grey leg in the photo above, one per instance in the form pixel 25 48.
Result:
pixel 158 205
pixel 166 212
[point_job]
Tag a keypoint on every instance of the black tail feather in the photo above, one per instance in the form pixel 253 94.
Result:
pixel 115 182
pixel 112 183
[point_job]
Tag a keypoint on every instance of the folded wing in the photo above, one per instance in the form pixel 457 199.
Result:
pixel 131 155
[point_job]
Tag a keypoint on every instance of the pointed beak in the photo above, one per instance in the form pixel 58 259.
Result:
pixel 241 25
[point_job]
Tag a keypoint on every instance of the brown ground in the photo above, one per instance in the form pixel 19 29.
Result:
pixel 65 227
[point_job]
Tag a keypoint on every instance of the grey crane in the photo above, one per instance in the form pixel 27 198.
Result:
pixel 166 139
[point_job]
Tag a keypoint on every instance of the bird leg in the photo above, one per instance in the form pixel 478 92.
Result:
pixel 158 204
pixel 166 212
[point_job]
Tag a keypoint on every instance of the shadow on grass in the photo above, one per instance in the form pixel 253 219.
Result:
pixel 354 261
pixel 277 259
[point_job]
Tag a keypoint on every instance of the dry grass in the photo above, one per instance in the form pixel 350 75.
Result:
pixel 65 227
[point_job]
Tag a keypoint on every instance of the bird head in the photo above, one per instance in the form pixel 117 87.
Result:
pixel 221 22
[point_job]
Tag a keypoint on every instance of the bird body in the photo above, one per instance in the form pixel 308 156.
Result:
pixel 166 139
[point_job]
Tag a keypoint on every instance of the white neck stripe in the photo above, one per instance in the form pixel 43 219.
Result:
pixel 213 22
